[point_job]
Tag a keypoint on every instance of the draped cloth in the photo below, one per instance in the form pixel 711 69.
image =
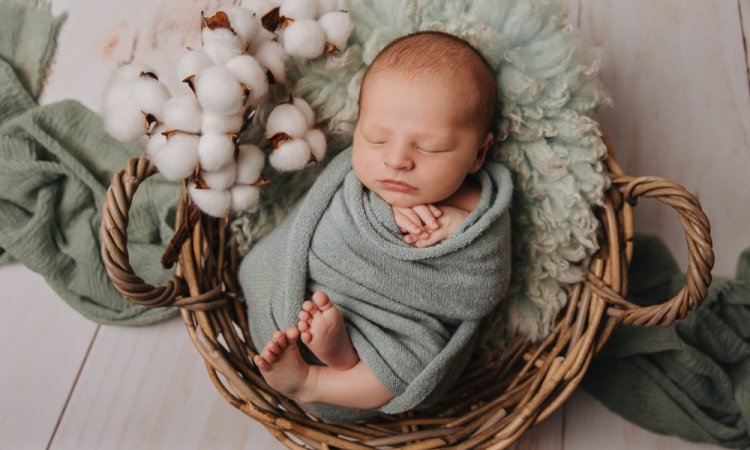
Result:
pixel 412 313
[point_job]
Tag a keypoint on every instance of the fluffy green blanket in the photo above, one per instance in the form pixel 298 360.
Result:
pixel 57 162
pixel 413 314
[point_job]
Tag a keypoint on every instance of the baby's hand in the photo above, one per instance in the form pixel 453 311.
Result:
pixel 417 222
pixel 449 220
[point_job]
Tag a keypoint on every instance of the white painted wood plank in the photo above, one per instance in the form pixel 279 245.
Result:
pixel 677 73
pixel 544 436
pixel 589 425
pixel 99 36
pixel 147 388
pixel 44 343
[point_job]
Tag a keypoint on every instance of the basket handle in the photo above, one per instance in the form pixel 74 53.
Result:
pixel 700 252
pixel 114 239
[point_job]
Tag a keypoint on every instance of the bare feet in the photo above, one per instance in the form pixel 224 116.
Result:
pixel 324 333
pixel 283 367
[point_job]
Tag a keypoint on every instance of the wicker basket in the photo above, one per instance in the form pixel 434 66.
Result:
pixel 498 397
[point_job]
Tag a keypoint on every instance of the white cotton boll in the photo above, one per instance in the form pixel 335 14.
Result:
pixel 303 106
pixel 221 36
pixel 337 27
pixel 341 5
pixel 326 6
pixel 260 38
pixel 286 118
pixel 250 73
pixel 223 178
pixel 212 202
pixel 150 95
pixel 317 142
pixel 272 56
pixel 304 39
pixel 242 22
pixel 221 124
pixel 258 7
pixel 156 141
pixel 220 53
pixel 218 91
pixel 291 155
pixel 125 122
pixel 183 113
pixel 177 158
pixel 132 71
pixel 276 2
pixel 299 9
pixel 118 93
pixel 192 63
pixel 244 198
pixel 250 162
pixel 215 150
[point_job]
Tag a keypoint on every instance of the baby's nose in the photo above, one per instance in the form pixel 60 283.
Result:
pixel 398 158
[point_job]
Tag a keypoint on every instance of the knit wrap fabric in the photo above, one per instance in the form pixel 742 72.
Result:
pixel 412 313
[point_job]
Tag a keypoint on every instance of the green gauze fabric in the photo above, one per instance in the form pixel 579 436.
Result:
pixel 413 314
pixel 57 163
pixel 691 379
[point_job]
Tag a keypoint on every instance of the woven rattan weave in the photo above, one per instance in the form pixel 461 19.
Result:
pixel 499 396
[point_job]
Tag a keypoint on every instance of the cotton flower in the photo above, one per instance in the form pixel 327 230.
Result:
pixel 221 124
pixel 298 9
pixel 251 74
pixel 258 7
pixel 317 142
pixel 156 141
pixel 183 113
pixel 250 162
pixel 219 91
pixel 210 201
pixel 125 122
pixel 273 57
pixel 307 111
pixel 261 37
pixel 220 179
pixel 244 198
pixel 242 22
pixel 286 118
pixel 220 53
pixel 192 63
pixel 291 155
pixel 337 26
pixel 215 150
pixel 221 36
pixel 150 95
pixel 132 71
pixel 176 159
pixel 304 39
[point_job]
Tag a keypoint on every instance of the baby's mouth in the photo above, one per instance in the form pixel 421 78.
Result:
pixel 397 186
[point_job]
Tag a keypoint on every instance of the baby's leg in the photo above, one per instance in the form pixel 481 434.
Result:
pixel 324 333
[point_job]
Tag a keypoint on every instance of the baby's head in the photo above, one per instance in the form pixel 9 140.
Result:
pixel 426 108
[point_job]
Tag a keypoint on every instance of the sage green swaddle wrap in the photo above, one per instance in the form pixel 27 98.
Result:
pixel 412 313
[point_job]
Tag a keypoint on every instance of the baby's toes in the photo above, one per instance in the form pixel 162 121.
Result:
pixel 269 356
pixel 303 326
pixel 321 300
pixel 306 336
pixel 309 307
pixel 291 334
pixel 261 363
pixel 304 316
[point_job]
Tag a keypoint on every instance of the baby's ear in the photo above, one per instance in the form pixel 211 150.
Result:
pixel 482 152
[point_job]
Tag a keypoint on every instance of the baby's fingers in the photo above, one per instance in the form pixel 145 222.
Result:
pixel 425 213
pixel 407 220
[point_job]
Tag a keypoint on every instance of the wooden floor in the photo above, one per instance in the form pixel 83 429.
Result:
pixel 678 72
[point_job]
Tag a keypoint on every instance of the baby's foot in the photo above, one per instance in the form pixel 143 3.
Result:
pixel 282 365
pixel 324 333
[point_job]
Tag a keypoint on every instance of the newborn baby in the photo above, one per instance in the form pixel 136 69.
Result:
pixel 416 168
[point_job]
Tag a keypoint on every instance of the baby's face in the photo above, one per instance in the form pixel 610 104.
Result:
pixel 420 132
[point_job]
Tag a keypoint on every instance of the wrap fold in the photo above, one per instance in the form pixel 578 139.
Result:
pixel 412 313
